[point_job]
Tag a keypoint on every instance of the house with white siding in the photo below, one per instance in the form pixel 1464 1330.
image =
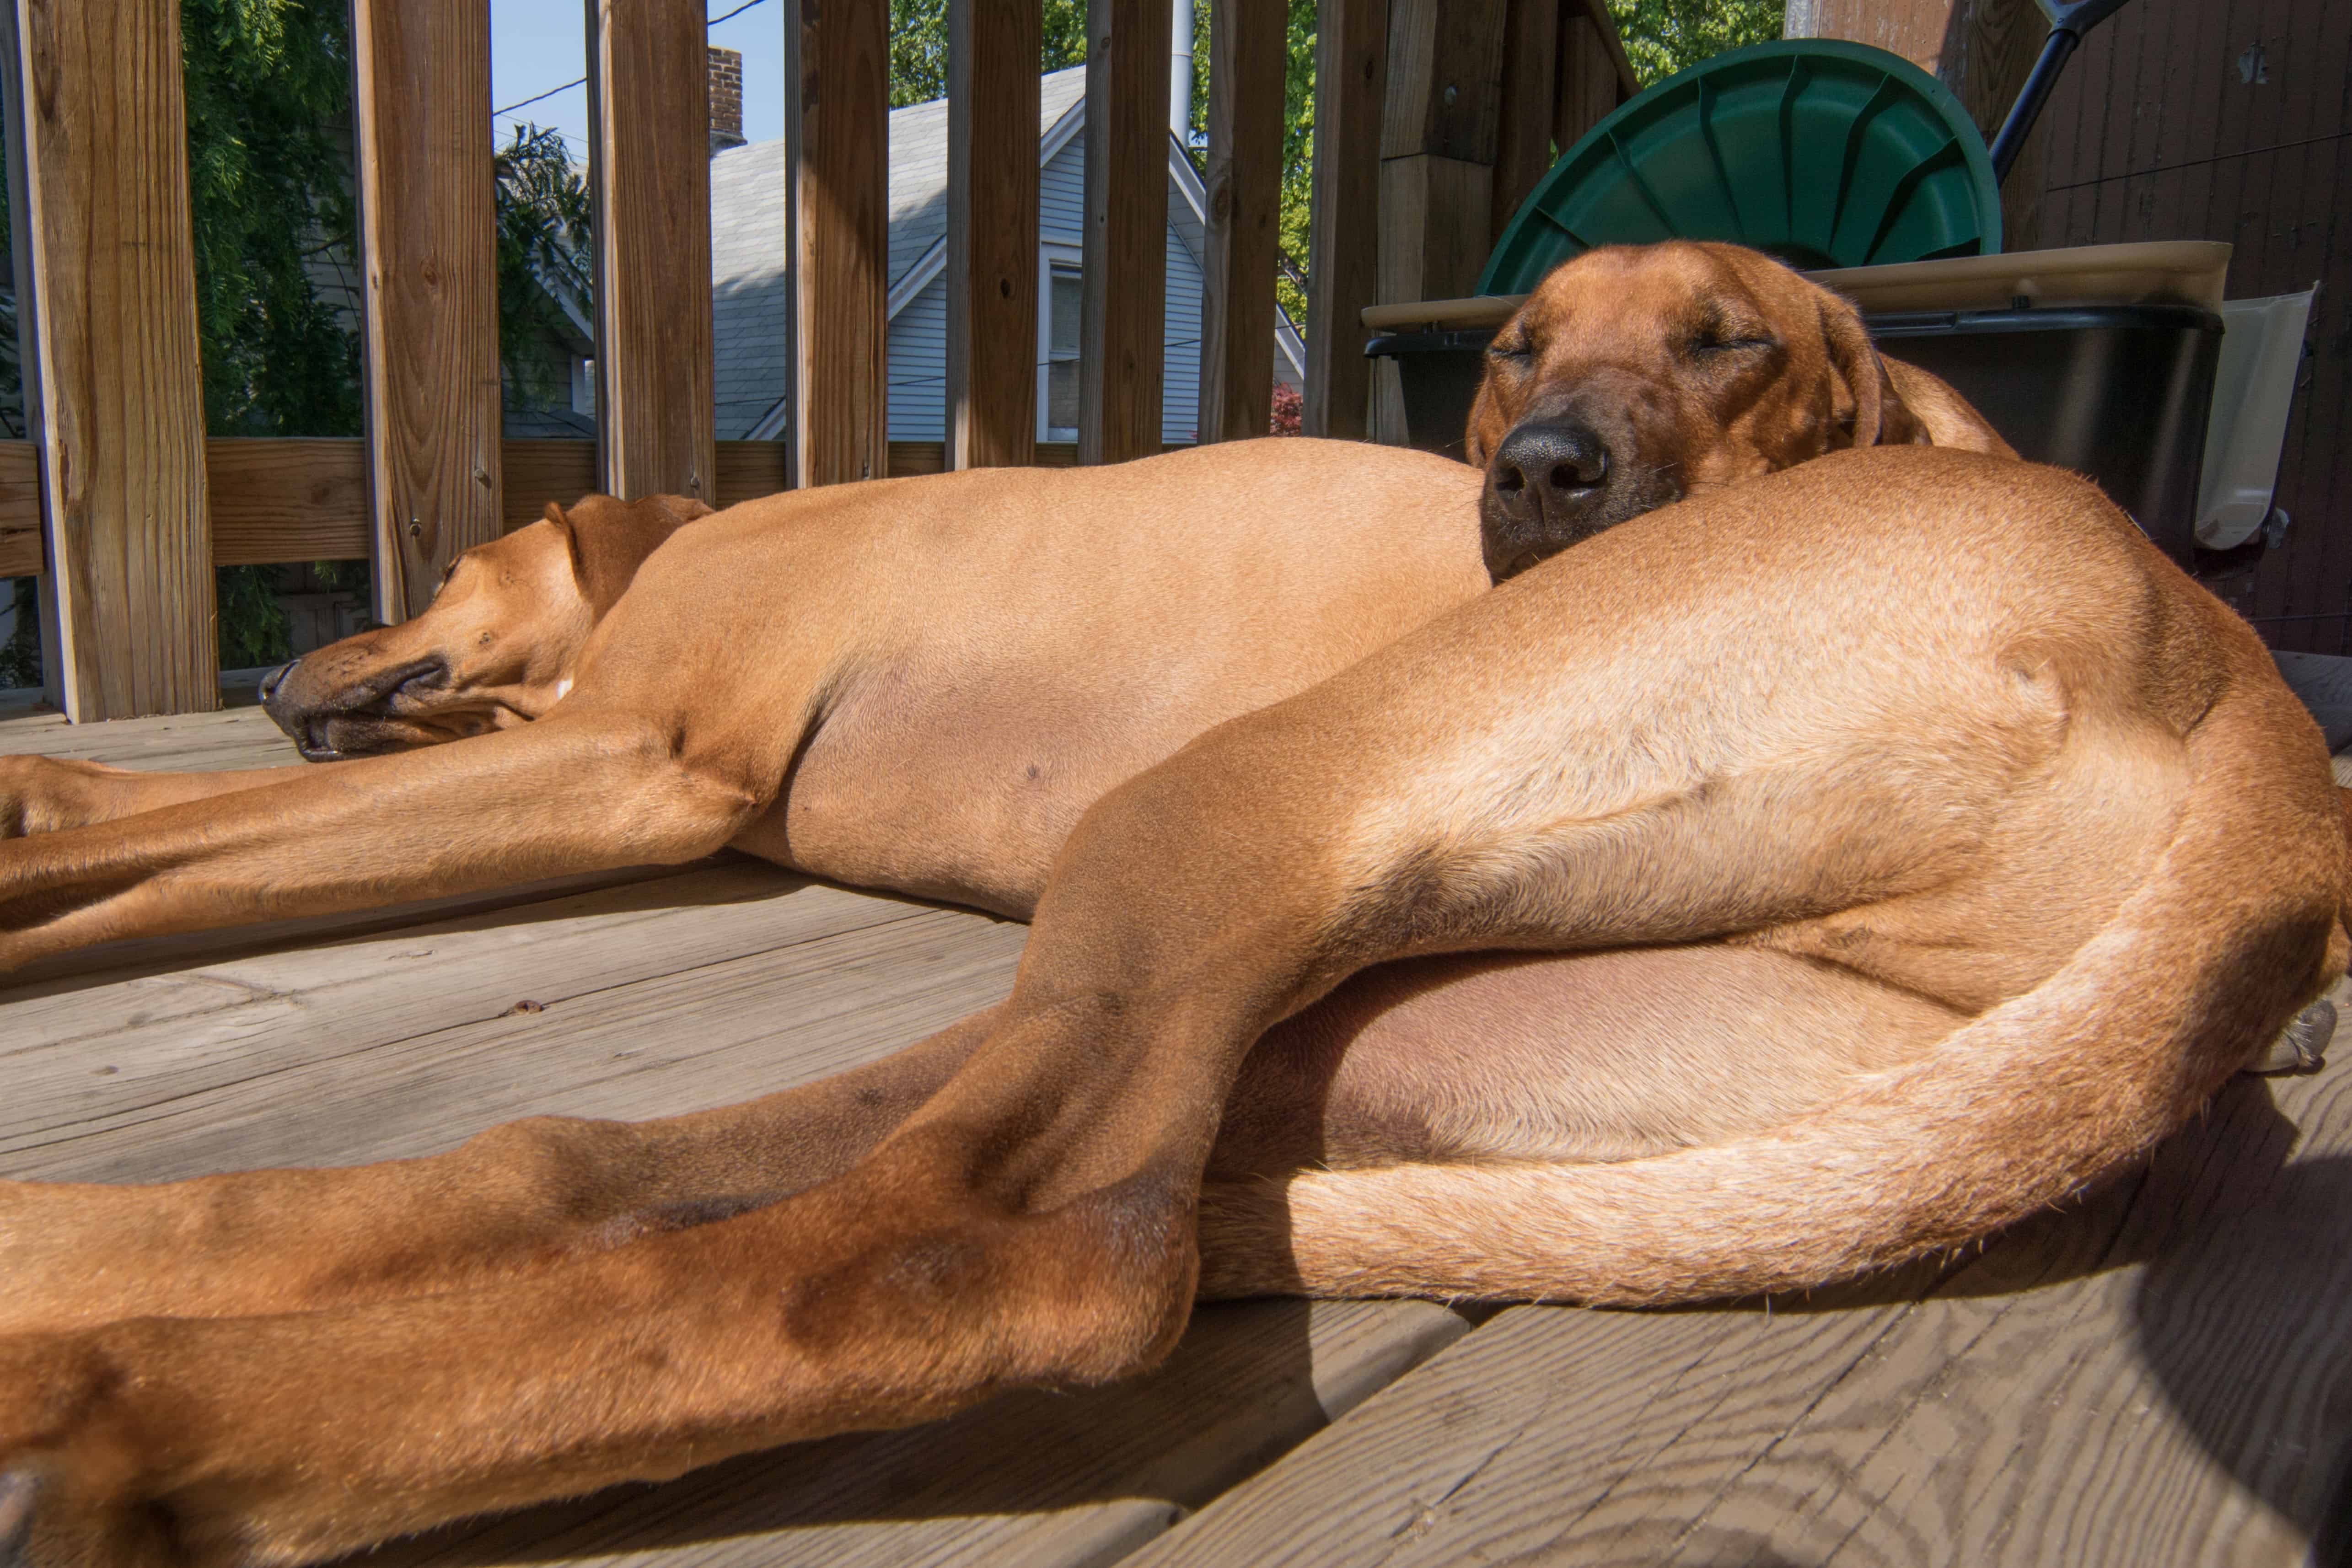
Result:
pixel 749 278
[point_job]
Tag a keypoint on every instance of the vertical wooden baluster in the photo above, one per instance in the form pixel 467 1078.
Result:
pixel 836 114
pixel 993 112
pixel 114 356
pixel 1342 268
pixel 1248 45
pixel 649 108
pixel 429 246
pixel 1125 298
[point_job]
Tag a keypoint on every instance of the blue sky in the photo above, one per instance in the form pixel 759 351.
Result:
pixel 536 45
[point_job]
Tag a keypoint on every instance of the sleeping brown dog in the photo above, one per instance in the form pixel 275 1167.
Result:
pixel 495 649
pixel 1636 375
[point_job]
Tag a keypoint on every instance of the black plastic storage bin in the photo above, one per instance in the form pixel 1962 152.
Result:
pixel 2117 392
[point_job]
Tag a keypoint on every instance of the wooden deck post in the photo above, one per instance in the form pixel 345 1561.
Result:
pixel 1988 51
pixel 649 108
pixel 1247 49
pixel 1912 29
pixel 992 350
pixel 1593 76
pixel 427 236
pixel 837 109
pixel 1126 285
pixel 1523 117
pixel 1352 71
pixel 1437 162
pixel 112 351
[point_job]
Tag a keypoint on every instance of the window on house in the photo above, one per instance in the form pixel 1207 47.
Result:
pixel 1061 354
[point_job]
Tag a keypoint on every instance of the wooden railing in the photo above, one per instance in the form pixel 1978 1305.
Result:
pixel 126 506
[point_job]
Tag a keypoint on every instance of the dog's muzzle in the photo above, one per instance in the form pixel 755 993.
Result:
pixel 350 717
pixel 1552 482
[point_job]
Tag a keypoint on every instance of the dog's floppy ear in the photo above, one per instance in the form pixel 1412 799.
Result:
pixel 610 539
pixel 1868 410
pixel 1945 418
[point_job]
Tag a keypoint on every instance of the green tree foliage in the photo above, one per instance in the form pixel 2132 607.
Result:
pixel 269 95
pixel 1662 36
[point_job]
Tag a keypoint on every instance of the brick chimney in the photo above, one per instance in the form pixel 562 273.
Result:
pixel 726 99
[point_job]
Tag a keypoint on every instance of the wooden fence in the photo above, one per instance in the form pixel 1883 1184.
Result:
pixel 126 506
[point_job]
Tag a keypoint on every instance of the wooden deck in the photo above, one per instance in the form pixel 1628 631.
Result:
pixel 2161 1375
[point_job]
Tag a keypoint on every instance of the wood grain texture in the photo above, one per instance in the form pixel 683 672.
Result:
pixel 1435 214
pixel 1989 50
pixel 241 738
pixel 992 259
pixel 306 500
pixel 748 470
pixel 2179 120
pixel 908 458
pixel 1912 29
pixel 21 554
pixel 1343 271
pixel 1524 111
pixel 1593 76
pixel 2158 1374
pixel 538 472
pixel 836 58
pixel 1125 253
pixel 115 378
pixel 649 86
pixel 1247 50
pixel 1445 73
pixel 1438 140
pixel 428 250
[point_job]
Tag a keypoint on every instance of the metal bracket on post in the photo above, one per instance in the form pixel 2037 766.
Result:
pixel 2069 21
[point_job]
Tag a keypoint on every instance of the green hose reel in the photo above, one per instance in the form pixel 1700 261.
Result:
pixel 1822 152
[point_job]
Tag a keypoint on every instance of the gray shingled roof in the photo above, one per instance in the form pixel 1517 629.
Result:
pixel 747 241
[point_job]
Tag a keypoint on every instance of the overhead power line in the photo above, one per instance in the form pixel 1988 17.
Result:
pixel 582 81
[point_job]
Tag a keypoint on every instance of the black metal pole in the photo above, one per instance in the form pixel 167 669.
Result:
pixel 2010 139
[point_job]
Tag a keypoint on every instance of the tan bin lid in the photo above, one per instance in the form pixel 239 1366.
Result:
pixel 2157 272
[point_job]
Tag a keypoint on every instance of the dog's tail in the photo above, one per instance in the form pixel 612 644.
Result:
pixel 2235 928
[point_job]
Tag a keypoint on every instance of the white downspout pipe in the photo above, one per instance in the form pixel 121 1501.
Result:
pixel 1179 70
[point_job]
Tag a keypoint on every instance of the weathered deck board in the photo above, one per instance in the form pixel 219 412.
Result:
pixel 192 742
pixel 673 969
pixel 712 983
pixel 2162 1375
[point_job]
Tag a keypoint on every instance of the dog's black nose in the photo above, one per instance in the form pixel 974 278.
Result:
pixel 277 677
pixel 1547 487
pixel 1550 465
